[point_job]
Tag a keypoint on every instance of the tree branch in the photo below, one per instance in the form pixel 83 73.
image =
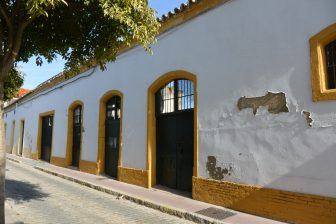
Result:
pixel 9 24
pixel 5 16
pixel 11 55
pixel 1 39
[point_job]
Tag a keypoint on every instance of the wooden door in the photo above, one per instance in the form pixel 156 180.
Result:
pixel 46 141
pixel 175 134
pixel 76 135
pixel 112 135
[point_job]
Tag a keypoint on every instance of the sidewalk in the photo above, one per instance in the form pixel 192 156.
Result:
pixel 165 201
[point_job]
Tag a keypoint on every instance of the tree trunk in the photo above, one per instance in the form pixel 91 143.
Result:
pixel 2 156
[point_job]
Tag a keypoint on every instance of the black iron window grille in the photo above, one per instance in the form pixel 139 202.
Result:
pixel 330 50
pixel 176 96
pixel 113 108
pixel 77 115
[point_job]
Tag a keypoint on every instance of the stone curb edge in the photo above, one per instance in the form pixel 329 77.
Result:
pixel 163 208
pixel 13 160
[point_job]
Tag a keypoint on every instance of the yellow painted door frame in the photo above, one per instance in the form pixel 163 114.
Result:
pixel 151 122
pixel 101 130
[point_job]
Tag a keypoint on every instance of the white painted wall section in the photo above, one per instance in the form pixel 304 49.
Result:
pixel 242 48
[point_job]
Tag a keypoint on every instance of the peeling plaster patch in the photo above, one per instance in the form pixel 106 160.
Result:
pixel 275 102
pixel 306 114
pixel 215 172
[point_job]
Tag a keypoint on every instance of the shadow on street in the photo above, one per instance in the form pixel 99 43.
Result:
pixel 21 191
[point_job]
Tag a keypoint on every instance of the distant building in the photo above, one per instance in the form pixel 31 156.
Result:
pixel 19 94
pixel 237 105
pixel 22 92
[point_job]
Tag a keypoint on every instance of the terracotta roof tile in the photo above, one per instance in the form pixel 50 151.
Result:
pixel 22 92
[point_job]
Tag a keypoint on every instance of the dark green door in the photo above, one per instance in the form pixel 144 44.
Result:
pixel 22 137
pixel 112 135
pixel 175 134
pixel 166 151
pixel 46 141
pixel 184 150
pixel 77 135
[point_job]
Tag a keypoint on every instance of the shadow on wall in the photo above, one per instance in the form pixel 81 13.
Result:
pixel 21 191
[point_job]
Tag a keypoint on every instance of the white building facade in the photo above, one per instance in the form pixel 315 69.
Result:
pixel 261 110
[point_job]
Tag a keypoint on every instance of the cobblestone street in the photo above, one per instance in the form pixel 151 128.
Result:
pixel 36 197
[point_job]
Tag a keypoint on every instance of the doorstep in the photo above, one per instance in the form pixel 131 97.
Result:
pixel 165 201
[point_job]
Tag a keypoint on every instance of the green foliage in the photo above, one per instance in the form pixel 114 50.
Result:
pixel 38 7
pixel 86 31
pixel 12 83
pixel 83 32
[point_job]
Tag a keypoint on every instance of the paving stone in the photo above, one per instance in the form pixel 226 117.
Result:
pixel 159 198
pixel 35 197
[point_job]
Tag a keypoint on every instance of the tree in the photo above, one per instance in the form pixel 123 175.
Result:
pixel 12 83
pixel 83 32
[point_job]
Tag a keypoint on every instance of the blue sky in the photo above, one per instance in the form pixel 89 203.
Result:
pixel 35 75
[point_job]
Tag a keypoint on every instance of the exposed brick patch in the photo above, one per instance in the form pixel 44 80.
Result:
pixel 275 102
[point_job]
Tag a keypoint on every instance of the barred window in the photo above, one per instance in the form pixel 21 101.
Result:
pixel 175 96
pixel 113 107
pixel 77 115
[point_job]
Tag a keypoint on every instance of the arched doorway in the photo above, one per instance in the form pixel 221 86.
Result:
pixel 110 135
pixel 21 137
pixel 75 130
pixel 174 114
pixel 76 135
pixel 45 135
pixel 12 137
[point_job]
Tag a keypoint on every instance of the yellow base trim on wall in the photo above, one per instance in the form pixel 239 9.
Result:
pixel 88 167
pixel 27 153
pixel 8 149
pixel 133 176
pixel 58 161
pixel 275 204
pixel 33 156
pixel 14 150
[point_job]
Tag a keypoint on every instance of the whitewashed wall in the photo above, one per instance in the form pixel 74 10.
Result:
pixel 242 48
